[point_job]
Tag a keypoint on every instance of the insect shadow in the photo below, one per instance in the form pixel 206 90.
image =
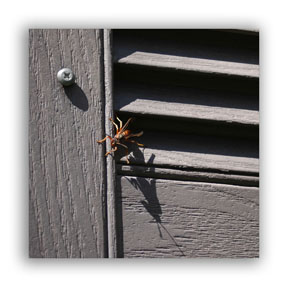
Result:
pixel 147 186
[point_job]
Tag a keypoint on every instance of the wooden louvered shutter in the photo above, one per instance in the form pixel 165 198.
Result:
pixel 193 190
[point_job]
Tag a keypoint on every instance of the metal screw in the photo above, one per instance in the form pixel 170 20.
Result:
pixel 66 77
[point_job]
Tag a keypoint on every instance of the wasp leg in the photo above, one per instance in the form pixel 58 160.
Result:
pixel 132 141
pixel 116 126
pixel 119 122
pixel 101 141
pixel 123 145
pixel 112 150
pixel 126 147
pixel 134 135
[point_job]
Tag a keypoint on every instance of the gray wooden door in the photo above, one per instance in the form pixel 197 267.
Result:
pixel 192 191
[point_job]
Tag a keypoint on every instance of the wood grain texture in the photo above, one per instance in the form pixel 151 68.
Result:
pixel 167 218
pixel 66 166
pixel 191 64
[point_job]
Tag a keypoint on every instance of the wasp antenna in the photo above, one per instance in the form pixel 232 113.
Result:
pixel 131 120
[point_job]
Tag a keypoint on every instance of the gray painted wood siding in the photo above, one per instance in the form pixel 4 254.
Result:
pixel 168 218
pixel 67 169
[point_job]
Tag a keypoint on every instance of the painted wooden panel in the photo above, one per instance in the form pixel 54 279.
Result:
pixel 228 47
pixel 66 165
pixel 187 103
pixel 168 218
pixel 191 151
pixel 188 175
pixel 191 64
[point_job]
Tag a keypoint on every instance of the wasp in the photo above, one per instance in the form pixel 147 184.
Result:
pixel 122 134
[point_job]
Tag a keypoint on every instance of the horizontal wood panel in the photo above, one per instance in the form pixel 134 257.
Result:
pixel 194 151
pixel 184 160
pixel 220 45
pixel 173 92
pixel 227 115
pixel 249 31
pixel 166 218
pixel 187 103
pixel 189 175
pixel 191 64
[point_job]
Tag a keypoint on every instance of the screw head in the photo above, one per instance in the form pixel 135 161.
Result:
pixel 66 77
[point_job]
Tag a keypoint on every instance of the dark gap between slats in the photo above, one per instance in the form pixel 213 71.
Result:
pixel 224 45
pixel 178 126
pixel 179 78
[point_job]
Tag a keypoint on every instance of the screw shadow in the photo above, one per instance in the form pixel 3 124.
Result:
pixel 77 97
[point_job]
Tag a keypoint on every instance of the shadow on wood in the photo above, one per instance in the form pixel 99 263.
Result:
pixel 77 97
pixel 151 202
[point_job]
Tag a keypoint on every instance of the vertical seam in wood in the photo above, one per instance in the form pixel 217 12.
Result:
pixel 109 113
pixel 104 174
